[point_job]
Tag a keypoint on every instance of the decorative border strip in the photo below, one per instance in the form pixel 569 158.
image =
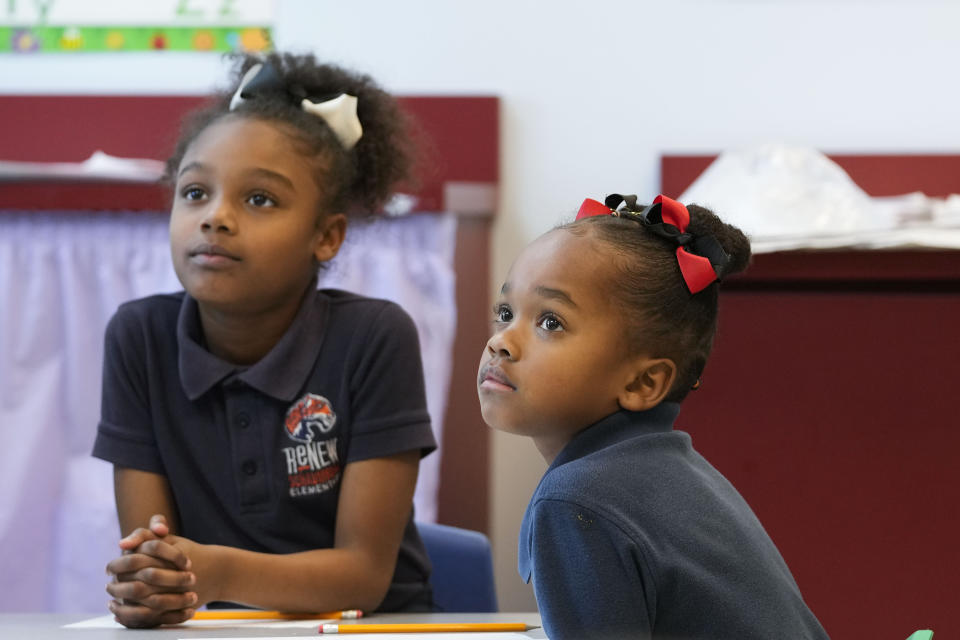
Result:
pixel 122 39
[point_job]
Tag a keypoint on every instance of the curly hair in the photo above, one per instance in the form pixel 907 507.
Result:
pixel 663 319
pixel 355 181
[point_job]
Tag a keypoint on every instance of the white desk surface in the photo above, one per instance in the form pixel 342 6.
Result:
pixel 49 626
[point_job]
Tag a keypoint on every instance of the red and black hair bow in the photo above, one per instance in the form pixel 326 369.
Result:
pixel 701 258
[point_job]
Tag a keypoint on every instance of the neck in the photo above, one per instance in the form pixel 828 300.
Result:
pixel 245 338
pixel 551 446
pixel 552 441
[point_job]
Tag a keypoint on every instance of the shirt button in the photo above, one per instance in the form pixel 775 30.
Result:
pixel 243 420
pixel 249 467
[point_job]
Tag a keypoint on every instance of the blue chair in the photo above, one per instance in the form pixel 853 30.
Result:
pixel 462 568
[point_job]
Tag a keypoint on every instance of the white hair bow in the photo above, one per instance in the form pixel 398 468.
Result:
pixel 340 112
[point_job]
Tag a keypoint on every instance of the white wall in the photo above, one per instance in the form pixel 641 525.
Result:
pixel 593 93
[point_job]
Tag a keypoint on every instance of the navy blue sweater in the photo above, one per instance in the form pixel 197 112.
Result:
pixel 633 534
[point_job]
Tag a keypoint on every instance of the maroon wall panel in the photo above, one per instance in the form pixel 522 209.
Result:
pixel 458 135
pixel 835 416
pixel 459 143
pixel 70 128
pixel 829 401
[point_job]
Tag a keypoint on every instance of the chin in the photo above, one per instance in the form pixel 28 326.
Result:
pixel 497 420
pixel 492 418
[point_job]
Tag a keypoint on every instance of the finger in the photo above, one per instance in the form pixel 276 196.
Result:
pixel 162 550
pixel 137 616
pixel 136 537
pixel 160 579
pixel 129 591
pixel 132 577
pixel 165 551
pixel 158 525
pixel 152 596
pixel 171 580
pixel 133 562
pixel 170 601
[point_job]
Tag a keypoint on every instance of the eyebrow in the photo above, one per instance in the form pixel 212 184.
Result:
pixel 259 171
pixel 190 166
pixel 555 294
pixel 273 175
pixel 544 292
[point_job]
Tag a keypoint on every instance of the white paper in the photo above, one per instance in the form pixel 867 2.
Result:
pixel 472 635
pixel 107 622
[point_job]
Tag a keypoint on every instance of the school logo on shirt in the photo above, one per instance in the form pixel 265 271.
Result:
pixel 310 418
pixel 313 465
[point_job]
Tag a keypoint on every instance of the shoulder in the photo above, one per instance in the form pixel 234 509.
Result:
pixel 349 303
pixel 578 492
pixel 145 316
pixel 633 466
pixel 639 485
pixel 374 315
pixel 148 310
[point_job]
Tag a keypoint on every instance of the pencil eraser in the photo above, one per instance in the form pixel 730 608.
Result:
pixel 329 628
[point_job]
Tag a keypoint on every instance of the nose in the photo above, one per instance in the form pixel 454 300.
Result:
pixel 219 216
pixel 504 344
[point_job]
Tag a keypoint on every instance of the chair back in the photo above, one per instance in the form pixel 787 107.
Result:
pixel 462 568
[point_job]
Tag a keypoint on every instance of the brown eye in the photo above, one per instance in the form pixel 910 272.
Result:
pixel 502 314
pixel 261 200
pixel 550 323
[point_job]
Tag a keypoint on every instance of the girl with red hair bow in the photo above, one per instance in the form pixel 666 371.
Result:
pixel 602 328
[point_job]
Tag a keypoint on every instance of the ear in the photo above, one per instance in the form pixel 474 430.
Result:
pixel 330 233
pixel 650 382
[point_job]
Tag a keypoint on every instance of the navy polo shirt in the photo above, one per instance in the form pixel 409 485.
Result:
pixel 633 534
pixel 254 455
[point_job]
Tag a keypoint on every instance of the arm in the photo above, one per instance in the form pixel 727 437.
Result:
pixel 140 495
pixel 148 581
pixel 375 502
pixel 151 582
pixel 587 575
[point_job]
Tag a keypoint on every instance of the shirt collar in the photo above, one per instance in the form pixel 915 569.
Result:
pixel 280 374
pixel 618 427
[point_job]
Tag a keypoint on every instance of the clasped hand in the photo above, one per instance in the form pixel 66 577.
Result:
pixel 152 582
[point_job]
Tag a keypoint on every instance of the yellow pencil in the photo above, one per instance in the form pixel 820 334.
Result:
pixel 256 614
pixel 441 627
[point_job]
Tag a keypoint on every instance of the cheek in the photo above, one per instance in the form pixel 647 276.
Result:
pixel 179 229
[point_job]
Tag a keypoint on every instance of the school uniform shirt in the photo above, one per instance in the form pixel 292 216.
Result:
pixel 632 534
pixel 254 455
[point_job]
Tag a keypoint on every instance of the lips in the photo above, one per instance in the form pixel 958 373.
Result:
pixel 493 377
pixel 210 250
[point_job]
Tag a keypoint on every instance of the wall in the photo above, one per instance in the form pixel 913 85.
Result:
pixel 592 93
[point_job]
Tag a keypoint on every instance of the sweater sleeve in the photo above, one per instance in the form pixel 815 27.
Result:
pixel 589 578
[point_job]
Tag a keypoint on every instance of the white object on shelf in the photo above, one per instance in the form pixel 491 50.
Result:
pixel 99 166
pixel 787 198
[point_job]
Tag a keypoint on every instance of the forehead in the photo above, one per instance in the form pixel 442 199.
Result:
pixel 577 264
pixel 233 140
